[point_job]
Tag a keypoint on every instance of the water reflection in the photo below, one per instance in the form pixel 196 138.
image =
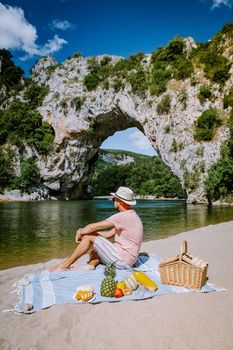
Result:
pixel 37 231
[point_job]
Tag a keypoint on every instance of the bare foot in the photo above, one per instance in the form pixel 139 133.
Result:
pixel 85 267
pixel 58 268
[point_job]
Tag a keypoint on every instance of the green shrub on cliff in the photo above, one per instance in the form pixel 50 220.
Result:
pixel 183 99
pixel 205 93
pixel 158 80
pixel 219 183
pixel 170 62
pixel 184 68
pixel 164 105
pixel 124 70
pixel 105 61
pixel 98 72
pixel 76 55
pixel 191 178
pixel 138 81
pixel 35 94
pixel 124 66
pixel 91 81
pixel 228 99
pixel 77 102
pixel 118 84
pixel 216 66
pixel 206 125
pixel 173 61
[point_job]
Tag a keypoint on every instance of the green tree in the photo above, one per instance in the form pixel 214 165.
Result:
pixel 146 175
pixel 6 167
pixel 19 122
pixel 11 74
pixel 109 179
pixel 219 183
pixel 35 94
pixel 29 177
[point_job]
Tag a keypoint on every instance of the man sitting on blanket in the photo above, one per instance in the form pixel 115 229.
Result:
pixel 126 228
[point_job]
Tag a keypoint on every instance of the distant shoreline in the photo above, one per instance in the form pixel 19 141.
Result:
pixel 149 197
pixel 12 199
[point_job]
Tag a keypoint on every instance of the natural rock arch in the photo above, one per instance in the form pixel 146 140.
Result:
pixel 81 152
pixel 83 119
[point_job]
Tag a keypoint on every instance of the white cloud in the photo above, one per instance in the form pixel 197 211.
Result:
pixel 18 34
pixel 60 24
pixel 139 140
pixel 52 45
pixel 217 3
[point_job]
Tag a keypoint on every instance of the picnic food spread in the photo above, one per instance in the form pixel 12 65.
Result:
pixel 111 288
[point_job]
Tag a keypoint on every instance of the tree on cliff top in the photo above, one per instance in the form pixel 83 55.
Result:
pixel 11 74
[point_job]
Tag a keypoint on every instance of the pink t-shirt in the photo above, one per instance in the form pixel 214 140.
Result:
pixel 129 234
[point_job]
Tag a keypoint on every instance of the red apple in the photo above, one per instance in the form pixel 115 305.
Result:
pixel 118 293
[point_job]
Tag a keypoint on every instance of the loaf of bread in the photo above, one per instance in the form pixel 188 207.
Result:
pixel 83 295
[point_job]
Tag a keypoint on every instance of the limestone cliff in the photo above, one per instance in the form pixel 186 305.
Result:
pixel 83 116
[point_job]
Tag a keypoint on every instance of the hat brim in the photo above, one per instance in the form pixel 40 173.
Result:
pixel 124 200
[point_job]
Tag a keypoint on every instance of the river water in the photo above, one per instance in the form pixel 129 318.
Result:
pixel 33 232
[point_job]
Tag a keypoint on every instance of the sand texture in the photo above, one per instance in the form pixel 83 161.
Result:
pixel 176 321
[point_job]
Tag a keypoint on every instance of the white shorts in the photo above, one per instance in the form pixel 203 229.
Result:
pixel 108 253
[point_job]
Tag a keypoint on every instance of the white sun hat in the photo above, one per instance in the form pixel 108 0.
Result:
pixel 125 194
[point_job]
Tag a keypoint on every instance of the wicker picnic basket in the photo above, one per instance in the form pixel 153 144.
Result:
pixel 184 270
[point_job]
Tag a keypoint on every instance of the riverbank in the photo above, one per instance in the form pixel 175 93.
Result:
pixel 148 197
pixel 16 196
pixel 186 321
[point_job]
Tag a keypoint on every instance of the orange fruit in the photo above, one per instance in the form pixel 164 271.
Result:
pixel 121 285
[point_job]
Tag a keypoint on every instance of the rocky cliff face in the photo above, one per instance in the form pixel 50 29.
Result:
pixel 114 159
pixel 83 118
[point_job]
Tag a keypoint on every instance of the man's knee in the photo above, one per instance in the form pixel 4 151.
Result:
pixel 90 238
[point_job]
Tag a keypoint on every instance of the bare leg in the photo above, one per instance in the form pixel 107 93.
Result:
pixel 93 259
pixel 80 250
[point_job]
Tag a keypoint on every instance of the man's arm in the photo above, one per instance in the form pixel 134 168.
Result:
pixel 107 234
pixel 93 228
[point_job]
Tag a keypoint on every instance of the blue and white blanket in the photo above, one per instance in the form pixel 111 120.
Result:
pixel 45 289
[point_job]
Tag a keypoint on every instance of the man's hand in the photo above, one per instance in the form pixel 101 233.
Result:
pixel 92 228
pixel 79 235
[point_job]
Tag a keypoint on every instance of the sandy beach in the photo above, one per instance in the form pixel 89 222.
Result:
pixel 182 321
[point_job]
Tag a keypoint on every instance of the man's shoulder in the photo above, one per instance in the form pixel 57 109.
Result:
pixel 122 214
pixel 127 213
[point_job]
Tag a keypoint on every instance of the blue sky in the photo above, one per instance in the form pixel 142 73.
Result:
pixel 30 29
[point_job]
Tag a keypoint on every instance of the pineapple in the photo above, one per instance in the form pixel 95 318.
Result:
pixel 110 270
pixel 108 284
